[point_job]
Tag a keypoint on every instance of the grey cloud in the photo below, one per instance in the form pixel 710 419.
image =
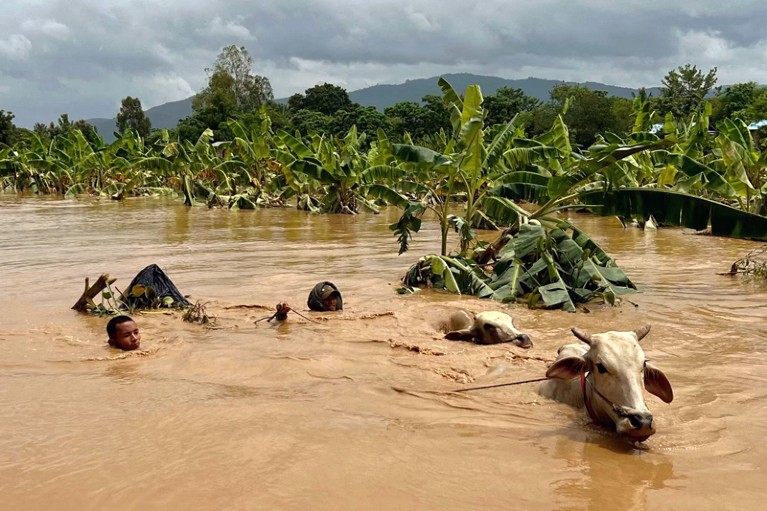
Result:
pixel 83 56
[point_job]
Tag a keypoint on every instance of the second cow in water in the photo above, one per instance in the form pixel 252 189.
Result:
pixel 489 327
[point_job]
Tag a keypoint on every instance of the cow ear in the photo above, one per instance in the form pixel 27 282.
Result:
pixel 460 335
pixel 657 384
pixel 567 368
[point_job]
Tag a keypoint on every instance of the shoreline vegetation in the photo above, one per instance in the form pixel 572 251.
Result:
pixel 678 168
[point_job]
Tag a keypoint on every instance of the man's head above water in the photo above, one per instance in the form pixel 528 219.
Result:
pixel 330 298
pixel 325 296
pixel 123 333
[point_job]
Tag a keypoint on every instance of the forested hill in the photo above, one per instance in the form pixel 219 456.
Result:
pixel 167 115
pixel 381 96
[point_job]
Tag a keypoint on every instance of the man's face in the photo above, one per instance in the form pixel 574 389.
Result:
pixel 127 336
pixel 331 303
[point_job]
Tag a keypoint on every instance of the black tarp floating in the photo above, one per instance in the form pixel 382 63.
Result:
pixel 315 296
pixel 155 285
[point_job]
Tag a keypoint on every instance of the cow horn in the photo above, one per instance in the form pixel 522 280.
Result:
pixel 582 336
pixel 642 332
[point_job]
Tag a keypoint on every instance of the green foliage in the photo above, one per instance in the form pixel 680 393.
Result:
pixel 7 129
pixel 407 116
pixel 684 90
pixel 310 121
pixel 557 268
pixel 409 222
pixel 678 209
pixel 366 119
pixel 248 90
pixel 506 103
pixel 590 112
pixel 64 128
pixel 326 99
pixel 132 116
pixel 745 101
pixel 232 91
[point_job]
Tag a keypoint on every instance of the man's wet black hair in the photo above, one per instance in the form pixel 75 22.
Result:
pixel 112 325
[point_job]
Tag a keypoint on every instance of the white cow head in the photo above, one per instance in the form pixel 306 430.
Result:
pixel 489 327
pixel 617 373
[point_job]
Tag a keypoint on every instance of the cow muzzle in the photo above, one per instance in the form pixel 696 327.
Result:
pixel 636 426
pixel 523 341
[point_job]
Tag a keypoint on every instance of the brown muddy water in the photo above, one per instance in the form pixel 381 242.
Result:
pixel 350 412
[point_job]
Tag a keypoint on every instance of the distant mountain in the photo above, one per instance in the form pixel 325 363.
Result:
pixel 381 96
pixel 167 115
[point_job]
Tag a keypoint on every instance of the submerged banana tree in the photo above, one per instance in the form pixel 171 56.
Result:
pixel 745 166
pixel 247 176
pixel 33 165
pixel 697 180
pixel 202 172
pixel 539 257
pixel 559 267
pixel 476 167
pixel 460 171
pixel 330 175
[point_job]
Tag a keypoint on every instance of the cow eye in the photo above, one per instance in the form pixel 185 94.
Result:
pixel 488 326
pixel 601 368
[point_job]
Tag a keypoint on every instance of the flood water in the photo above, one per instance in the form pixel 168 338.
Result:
pixel 351 411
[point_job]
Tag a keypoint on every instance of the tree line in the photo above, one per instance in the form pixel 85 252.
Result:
pixel 234 92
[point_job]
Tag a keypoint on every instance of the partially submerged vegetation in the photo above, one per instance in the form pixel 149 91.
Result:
pixel 198 313
pixel 559 268
pixel 150 289
pixel 682 175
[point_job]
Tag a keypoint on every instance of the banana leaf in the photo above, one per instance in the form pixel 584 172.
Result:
pixel 388 195
pixel 295 145
pixel 449 95
pixel 557 268
pixel 678 209
pixel 501 140
pixel 524 185
pixel 382 174
pixel 558 136
pixel 313 168
pixel 455 274
pixel 188 192
pixel 556 294
pixel 600 157
pixel 712 179
pixel 480 220
pixel 419 155
pixel 501 210
pixel 518 157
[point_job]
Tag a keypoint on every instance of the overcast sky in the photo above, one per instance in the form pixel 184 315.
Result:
pixel 83 56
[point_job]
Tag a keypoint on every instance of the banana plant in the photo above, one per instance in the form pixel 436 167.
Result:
pixel 698 180
pixel 460 169
pixel 249 162
pixel 329 175
pixel 556 268
pixel 744 164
